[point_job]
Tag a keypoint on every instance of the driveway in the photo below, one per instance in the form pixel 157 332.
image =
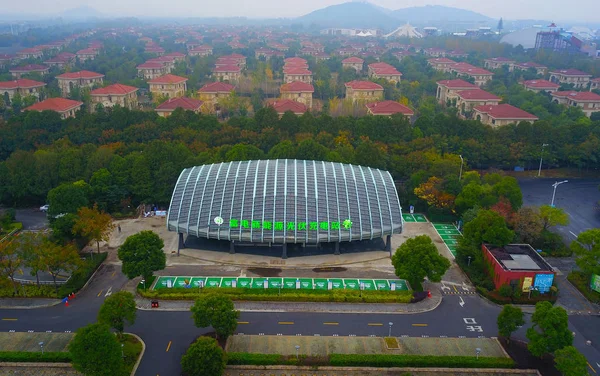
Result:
pixel 33 219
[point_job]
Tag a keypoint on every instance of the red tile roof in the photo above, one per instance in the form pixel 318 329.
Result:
pixel 570 72
pixel 578 95
pixel 505 111
pixel 595 79
pixel 477 94
pixel 115 89
pixel 30 68
pixel 284 105
pixel 26 51
pixel 439 60
pixel 540 84
pixel 87 51
pixel 150 65
pixel 227 68
pixel 389 108
pixel 180 102
pixel 80 74
pixel 297 71
pixel 353 60
pixel 54 104
pixel 467 68
pixel 297 86
pixel 457 84
pixel 500 60
pixel 530 64
pixel 175 54
pixel 21 83
pixel 167 79
pixel 295 60
pixel 363 85
pixel 216 87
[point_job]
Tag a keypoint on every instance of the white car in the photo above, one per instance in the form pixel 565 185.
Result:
pixel 44 208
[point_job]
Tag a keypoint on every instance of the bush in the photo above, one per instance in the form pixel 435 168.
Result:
pixel 26 356
pixel 552 245
pixel 505 291
pixel 259 359
pixel 582 282
pixel 82 275
pixel 385 360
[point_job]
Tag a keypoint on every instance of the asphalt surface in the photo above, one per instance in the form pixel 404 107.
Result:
pixel 578 197
pixel 33 219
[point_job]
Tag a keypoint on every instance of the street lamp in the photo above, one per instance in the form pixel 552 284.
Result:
pixel 554 192
pixel 42 347
pixel 122 353
pixel 477 352
pixel 469 262
pixel 461 167
pixel 297 349
pixel 144 283
pixel 390 332
pixel 541 156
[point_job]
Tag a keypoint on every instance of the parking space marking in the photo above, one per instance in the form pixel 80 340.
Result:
pixel 331 323
pixel 419 324
pixel 243 322
pixel 168 347
pixel 9 319
pixel 375 324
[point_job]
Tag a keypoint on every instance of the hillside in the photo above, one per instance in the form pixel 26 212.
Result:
pixel 351 15
pixel 438 13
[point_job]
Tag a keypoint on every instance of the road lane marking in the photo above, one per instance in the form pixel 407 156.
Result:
pixel 375 324
pixel 331 323
pixel 109 292
pixel 115 272
pixel 455 288
pixel 243 322
pixel 572 233
pixel 419 324
pixel 100 293
pixel 9 319
pixel 592 368
pixel 286 323
pixel 168 346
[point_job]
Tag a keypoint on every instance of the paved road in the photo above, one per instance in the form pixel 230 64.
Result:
pixel 32 219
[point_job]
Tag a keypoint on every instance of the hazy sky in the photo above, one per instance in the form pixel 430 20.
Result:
pixel 574 10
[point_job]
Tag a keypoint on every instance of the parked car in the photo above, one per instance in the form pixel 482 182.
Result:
pixel 44 208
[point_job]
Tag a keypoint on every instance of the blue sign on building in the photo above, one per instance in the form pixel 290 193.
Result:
pixel 543 282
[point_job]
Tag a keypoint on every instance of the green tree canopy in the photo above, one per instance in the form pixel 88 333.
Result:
pixel 204 357
pixel 553 216
pixel 587 249
pixel 418 258
pixel 487 227
pixel 217 311
pixel 93 224
pixel 570 362
pixel 142 254
pixel 550 330
pixel 96 351
pixel 116 309
pixel 67 198
pixel 509 320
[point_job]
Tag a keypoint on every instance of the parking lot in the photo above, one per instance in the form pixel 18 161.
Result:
pixel 420 218
pixel 449 235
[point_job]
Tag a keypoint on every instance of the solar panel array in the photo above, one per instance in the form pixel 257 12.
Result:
pixel 285 201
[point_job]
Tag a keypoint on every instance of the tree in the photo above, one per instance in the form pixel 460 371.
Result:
pixel 59 258
pixel 10 261
pixel 587 249
pixel 418 258
pixel 67 198
pixel 527 223
pixel 570 362
pixel 142 254
pixel 96 351
pixel 117 309
pixel 487 227
pixel 553 216
pixel 432 192
pixel 509 320
pixel 550 330
pixel 29 244
pixel 217 311
pixel 93 224
pixel 500 25
pixel 203 357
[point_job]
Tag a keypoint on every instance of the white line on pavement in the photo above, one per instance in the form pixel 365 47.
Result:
pixel 572 233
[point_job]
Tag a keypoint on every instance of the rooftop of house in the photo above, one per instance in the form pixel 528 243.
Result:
pixel 180 102
pixel 54 104
pixel 168 79
pixel 389 107
pixel 79 75
pixel 500 60
pixel 477 94
pixel 363 85
pixel 578 95
pixel 295 59
pixel 297 86
pixel 29 51
pixel 457 84
pixel 540 84
pixel 505 111
pixel 441 60
pixel 217 87
pixel 467 68
pixel 227 69
pixel 30 68
pixel 22 83
pixel 519 257
pixel 87 51
pixel 530 64
pixel 570 72
pixel 297 71
pixel 284 105
pixel 115 89
pixel 151 65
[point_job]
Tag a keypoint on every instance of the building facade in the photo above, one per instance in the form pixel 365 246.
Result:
pixel 22 87
pixel 81 79
pixel 65 107
pixel 574 77
pixel 115 95
pixel 299 92
pixel 364 91
pixel 501 114
pixel 169 85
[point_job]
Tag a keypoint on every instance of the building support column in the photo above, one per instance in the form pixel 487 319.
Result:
pixel 337 248
pixel 180 243
pixel 284 251
pixel 388 244
pixel 231 247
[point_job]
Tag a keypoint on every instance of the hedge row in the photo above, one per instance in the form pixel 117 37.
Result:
pixel 258 359
pixel 25 356
pixel 581 281
pixel 247 294
pixel 80 277
pixel 385 360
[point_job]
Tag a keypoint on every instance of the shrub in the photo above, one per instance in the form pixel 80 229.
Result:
pixel 26 356
pixel 505 291
pixel 259 359
pixel 385 360
pixel 80 277
pixel 582 282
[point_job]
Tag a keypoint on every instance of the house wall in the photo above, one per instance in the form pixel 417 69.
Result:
pixel 129 100
pixel 306 78
pixel 576 81
pixel 364 95
pixel 357 66
pixel 65 84
pixel 227 76
pixel 304 98
pixel 169 90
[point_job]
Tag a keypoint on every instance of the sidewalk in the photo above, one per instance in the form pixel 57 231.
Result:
pixel 27 303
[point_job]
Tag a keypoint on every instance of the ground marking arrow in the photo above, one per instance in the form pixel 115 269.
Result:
pixel 462 302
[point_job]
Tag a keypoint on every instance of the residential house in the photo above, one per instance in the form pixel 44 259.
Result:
pixel 574 77
pixel 321 56
pixel 457 54
pixel 385 71
pixel 22 86
pixel 595 84
pixel 230 73
pixel 30 53
pixel 447 89
pixel 441 64
pixel 497 63
pixel 188 104
pixel 281 106
pixel 240 59
pixel 363 91
pixel 298 91
pixel 150 70
pixel 501 114
pixel 435 52
pixel 388 108
pixel 297 74
pixel 479 75
pixel 6 60
pixel 57 61
pixel 211 93
pixel 167 61
pixel 17 72
pixel 295 61
pixel 177 56
pixel 201 51
pixel 538 86
pixel 588 101
pixel 169 85
pixel 113 95
pixel 354 63
pixel 155 50
pixel 65 107
pixel 87 54
pixel 539 69
pixel 69 80
pixel 466 100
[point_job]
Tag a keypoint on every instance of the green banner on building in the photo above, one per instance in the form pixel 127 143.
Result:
pixel 595 282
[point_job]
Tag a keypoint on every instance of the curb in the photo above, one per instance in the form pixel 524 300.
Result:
pixel 58 301
pixel 137 364
pixel 36 364
pixel 290 267
pixel 390 370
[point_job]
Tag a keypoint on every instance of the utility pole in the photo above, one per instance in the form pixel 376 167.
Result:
pixel 541 156
pixel 554 192
pixel 461 167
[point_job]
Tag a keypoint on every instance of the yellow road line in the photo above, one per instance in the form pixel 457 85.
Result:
pixel 592 368
pixel 455 288
pixel 100 292
pixel 168 346
pixel 419 324
pixel 243 322
pixel 331 323
pixel 115 272
pixel 286 323
pixel 375 324
pixel 9 319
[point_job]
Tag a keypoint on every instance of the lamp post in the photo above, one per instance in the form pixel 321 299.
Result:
pixel 297 349
pixel 554 192
pixel 461 167
pixel 144 283
pixel 541 156
pixel 122 353
pixel 469 262
pixel 42 347
pixel 390 331
pixel 477 352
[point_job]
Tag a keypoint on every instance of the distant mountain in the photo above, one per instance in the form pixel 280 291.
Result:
pixel 438 14
pixel 351 15
pixel 82 13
